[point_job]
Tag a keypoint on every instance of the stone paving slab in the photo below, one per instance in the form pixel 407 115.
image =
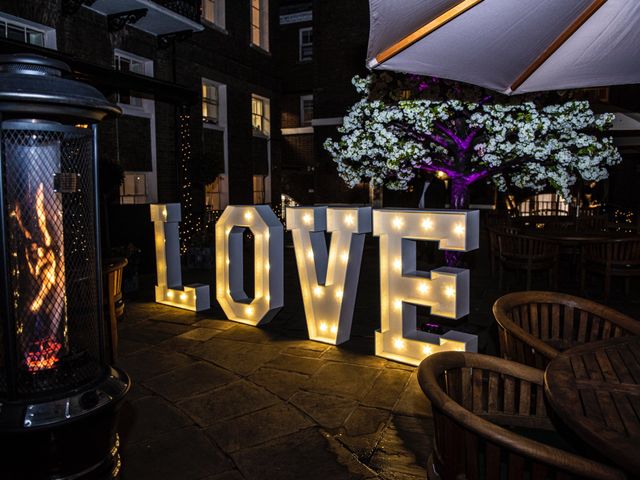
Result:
pixel 139 419
pixel 328 411
pixel 403 449
pixel 258 427
pixel 184 454
pixel 294 363
pixel 242 358
pixel 314 459
pixel 190 380
pixel 144 365
pixel 232 400
pixel 282 383
pixel 353 381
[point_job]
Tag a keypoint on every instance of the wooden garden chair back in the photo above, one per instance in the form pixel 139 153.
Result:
pixel 494 249
pixel 534 327
pixel 473 397
pixel 528 253
pixel 618 257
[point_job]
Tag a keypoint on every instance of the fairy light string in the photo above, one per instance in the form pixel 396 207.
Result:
pixel 189 226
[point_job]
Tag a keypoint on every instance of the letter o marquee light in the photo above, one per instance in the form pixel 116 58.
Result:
pixel 268 262
pixel 402 286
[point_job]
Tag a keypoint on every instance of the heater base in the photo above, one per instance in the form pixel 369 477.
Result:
pixel 84 447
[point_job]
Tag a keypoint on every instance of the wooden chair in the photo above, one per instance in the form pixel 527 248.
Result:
pixel 592 223
pixel 112 298
pixel 476 400
pixel 521 252
pixel 494 250
pixel 534 327
pixel 618 257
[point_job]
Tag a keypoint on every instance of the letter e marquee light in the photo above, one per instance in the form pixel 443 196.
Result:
pixel 329 280
pixel 169 291
pixel 268 264
pixel 402 286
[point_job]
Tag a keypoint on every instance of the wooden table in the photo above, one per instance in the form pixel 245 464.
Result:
pixel 595 390
pixel 573 238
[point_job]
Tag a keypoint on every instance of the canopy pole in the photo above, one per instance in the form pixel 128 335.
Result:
pixel 557 43
pixel 425 30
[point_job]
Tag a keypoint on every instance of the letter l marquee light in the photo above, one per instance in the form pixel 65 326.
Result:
pixel 268 264
pixel 169 291
pixel 402 286
pixel 329 280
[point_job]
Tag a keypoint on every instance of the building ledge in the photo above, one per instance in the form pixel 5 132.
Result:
pixel 326 122
pixel 157 19
pixel 296 131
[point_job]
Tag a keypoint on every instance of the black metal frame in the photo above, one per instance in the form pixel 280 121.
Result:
pixel 6 308
pixel 66 432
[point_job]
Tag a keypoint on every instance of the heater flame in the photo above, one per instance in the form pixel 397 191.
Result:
pixel 45 357
pixel 45 267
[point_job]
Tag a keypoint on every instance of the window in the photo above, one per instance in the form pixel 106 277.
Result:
pixel 306 110
pixel 260 23
pixel 258 189
pixel 20 30
pixel 213 12
pixel 214 103
pixel 210 103
pixel 133 64
pixel 305 44
pixel 133 189
pixel 136 134
pixel 260 115
pixel 216 196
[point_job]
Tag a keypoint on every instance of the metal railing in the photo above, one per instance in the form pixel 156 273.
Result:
pixel 190 9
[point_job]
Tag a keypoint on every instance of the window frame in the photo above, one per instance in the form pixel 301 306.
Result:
pixel 209 101
pixel 219 17
pixel 147 65
pixel 263 24
pixel 146 109
pixel 304 98
pixel 259 194
pixel 302 44
pixel 221 195
pixel 265 130
pixel 48 33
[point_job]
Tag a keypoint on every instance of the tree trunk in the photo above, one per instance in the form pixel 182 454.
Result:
pixel 375 195
pixel 459 200
pixel 459 193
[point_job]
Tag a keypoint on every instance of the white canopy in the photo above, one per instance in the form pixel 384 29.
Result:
pixel 512 46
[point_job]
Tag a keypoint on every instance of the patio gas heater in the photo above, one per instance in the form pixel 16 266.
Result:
pixel 58 395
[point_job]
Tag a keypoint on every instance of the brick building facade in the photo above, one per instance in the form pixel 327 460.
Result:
pixel 201 67
pixel 322 46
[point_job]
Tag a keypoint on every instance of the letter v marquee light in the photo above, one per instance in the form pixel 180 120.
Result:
pixel 402 286
pixel 329 280
pixel 268 264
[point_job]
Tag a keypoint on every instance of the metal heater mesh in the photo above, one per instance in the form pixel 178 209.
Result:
pixel 49 205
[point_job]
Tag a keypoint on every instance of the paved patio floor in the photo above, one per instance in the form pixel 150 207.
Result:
pixel 213 399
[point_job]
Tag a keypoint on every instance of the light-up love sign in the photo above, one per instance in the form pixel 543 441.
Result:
pixel 329 281
pixel 268 264
pixel 402 286
pixel 169 290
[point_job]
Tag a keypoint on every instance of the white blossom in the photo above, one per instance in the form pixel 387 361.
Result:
pixel 519 144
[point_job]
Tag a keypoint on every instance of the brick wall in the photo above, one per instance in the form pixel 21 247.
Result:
pixel 226 57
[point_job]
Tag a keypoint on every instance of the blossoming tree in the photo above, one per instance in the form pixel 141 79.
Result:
pixel 388 139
